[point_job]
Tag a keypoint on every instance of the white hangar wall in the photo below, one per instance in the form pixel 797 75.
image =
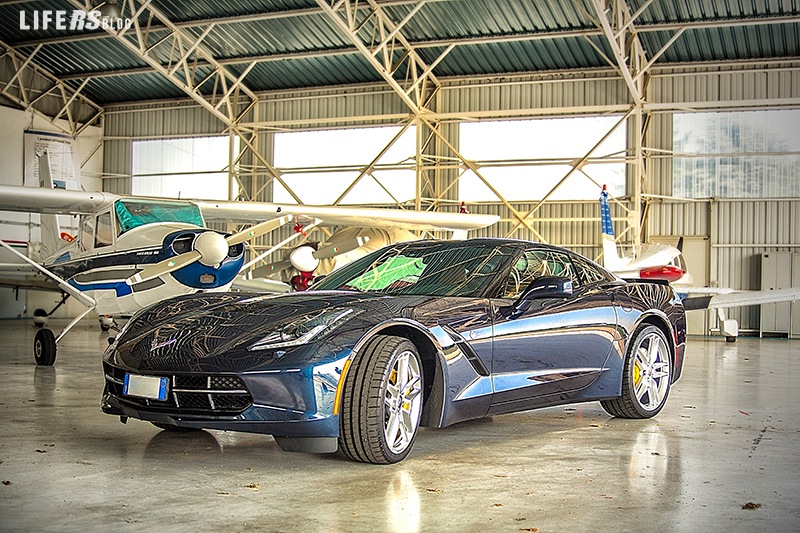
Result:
pixel 731 231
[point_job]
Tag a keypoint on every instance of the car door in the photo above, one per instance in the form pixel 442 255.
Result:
pixel 555 346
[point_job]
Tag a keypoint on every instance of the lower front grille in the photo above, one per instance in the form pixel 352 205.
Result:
pixel 188 393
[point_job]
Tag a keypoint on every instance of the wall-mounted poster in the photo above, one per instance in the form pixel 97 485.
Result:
pixel 63 152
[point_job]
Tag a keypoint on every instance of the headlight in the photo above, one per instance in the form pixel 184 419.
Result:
pixel 304 330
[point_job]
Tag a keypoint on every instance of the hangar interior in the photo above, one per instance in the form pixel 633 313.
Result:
pixel 688 111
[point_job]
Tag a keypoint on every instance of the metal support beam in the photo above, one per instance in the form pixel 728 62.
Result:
pixel 370 168
pixel 181 58
pixel 630 60
pixel 33 88
pixel 381 42
pixel 575 166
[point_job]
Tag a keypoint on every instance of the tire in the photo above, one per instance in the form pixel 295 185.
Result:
pixel 44 347
pixel 175 429
pixel 382 402
pixel 646 377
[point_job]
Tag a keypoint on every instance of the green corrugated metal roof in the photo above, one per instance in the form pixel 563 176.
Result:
pixel 283 44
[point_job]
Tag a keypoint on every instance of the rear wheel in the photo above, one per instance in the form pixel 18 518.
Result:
pixel 646 376
pixel 44 347
pixel 382 402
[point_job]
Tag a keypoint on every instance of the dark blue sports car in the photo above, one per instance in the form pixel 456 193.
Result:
pixel 426 333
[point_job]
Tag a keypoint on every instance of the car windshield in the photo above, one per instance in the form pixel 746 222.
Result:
pixel 434 268
pixel 132 213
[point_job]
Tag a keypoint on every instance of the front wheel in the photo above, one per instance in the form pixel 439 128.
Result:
pixel 646 376
pixel 44 347
pixel 382 402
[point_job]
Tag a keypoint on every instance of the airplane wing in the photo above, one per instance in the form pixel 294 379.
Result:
pixel 345 216
pixel 54 201
pixel 740 299
pixel 30 284
pixel 59 201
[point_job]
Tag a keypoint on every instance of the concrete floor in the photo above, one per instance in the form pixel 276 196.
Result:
pixel 729 436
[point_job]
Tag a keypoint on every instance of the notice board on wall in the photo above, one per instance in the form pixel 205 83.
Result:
pixel 63 152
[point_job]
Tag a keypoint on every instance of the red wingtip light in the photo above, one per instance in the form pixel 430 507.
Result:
pixel 667 272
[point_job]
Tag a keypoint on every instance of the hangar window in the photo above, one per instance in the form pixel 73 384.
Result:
pixel 182 168
pixel 319 166
pixel 745 154
pixel 525 159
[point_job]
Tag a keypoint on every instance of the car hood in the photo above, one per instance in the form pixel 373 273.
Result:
pixel 214 331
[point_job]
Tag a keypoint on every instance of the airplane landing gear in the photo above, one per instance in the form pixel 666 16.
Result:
pixel 44 347
pixel 106 322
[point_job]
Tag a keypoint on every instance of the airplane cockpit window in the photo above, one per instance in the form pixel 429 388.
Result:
pixel 104 231
pixel 534 264
pixel 132 213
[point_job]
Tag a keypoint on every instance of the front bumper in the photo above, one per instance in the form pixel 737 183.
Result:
pixel 279 402
pixel 252 420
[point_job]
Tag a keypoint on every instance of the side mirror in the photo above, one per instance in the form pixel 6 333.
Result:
pixel 541 288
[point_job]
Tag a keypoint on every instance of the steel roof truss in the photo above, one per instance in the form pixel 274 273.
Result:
pixel 381 42
pixel 180 57
pixel 23 83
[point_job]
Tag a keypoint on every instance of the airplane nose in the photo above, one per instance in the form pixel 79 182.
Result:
pixel 213 248
pixel 302 258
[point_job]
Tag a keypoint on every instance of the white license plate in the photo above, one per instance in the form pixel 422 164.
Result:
pixel 149 387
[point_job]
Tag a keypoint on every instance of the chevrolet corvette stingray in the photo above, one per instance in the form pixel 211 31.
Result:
pixel 425 333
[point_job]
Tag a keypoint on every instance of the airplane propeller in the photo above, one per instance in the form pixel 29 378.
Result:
pixel 306 259
pixel 210 248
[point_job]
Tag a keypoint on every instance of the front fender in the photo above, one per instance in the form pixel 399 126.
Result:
pixel 454 389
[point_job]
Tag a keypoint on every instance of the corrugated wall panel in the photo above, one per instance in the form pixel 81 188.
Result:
pixel 719 87
pixel 117 162
pixel 160 121
pixel 535 95
pixel 314 110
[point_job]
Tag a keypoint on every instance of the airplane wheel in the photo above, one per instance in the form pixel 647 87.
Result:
pixel 44 347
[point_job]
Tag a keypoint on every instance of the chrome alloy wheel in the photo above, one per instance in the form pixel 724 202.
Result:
pixel 402 402
pixel 651 369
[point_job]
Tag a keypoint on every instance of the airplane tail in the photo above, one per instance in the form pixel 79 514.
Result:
pixel 50 227
pixel 611 257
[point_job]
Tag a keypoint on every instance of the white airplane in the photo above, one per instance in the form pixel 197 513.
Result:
pixel 308 261
pixel 664 262
pixel 134 251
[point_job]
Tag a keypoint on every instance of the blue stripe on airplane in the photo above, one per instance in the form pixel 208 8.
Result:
pixel 120 287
